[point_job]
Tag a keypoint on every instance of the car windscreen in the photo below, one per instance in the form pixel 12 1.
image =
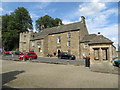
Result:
pixel 25 53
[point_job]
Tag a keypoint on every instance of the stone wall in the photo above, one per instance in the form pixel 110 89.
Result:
pixel 84 50
pixel 24 41
pixel 101 54
pixel 53 46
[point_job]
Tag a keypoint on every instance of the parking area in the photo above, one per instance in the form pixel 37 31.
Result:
pixel 48 60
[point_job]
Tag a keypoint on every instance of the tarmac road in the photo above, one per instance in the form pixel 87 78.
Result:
pixel 42 75
pixel 47 60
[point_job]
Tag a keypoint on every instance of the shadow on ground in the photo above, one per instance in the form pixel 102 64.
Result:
pixel 9 76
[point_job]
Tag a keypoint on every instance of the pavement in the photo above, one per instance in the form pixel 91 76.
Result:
pixel 105 67
pixel 43 75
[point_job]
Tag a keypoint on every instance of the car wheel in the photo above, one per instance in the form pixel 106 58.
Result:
pixel 60 57
pixel 30 59
pixel 119 65
pixel 70 58
pixel 35 58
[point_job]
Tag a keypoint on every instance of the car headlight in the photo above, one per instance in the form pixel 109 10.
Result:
pixel 21 56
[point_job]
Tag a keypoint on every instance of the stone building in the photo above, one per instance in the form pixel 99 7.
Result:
pixel 72 38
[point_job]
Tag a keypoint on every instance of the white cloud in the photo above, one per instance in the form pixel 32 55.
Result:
pixel 66 21
pixel 1 9
pixel 91 9
pixel 34 15
pixel 42 5
pixel 98 19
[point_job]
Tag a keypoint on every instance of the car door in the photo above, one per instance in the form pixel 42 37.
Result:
pixel 32 55
pixel 29 55
pixel 65 55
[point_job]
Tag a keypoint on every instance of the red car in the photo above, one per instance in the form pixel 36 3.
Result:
pixel 6 52
pixel 30 55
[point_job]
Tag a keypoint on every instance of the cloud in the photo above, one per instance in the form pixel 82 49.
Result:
pixel 98 19
pixel 66 21
pixel 1 9
pixel 91 9
pixel 41 5
pixel 33 15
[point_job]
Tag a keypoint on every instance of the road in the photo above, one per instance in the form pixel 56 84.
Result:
pixel 42 75
pixel 48 60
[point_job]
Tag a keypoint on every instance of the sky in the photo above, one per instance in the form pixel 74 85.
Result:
pixel 99 16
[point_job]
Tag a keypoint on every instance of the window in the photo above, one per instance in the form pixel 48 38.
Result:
pixel 69 51
pixel 58 39
pixel 24 44
pixel 69 34
pixel 29 53
pixel 24 37
pixel 68 43
pixel 33 43
pixel 39 49
pixel 38 44
pixel 85 46
pixel 32 54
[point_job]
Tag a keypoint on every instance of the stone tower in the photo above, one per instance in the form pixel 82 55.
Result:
pixel 24 42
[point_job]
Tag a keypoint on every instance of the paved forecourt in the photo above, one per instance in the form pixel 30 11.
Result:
pixel 43 75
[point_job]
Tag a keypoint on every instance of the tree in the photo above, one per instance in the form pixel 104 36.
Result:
pixel 48 22
pixel 12 25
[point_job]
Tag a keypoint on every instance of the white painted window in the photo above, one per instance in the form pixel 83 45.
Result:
pixel 33 43
pixel 68 43
pixel 85 46
pixel 38 44
pixel 69 34
pixel 24 44
pixel 58 39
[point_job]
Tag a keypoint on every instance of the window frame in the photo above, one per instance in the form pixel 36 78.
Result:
pixel 58 39
pixel 69 35
pixel 68 43
pixel 85 46
pixel 33 43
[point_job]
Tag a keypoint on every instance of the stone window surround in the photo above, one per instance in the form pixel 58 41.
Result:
pixel 24 44
pixel 100 52
pixel 24 37
pixel 68 43
pixel 58 39
pixel 69 35
pixel 85 46
pixel 38 44
pixel 33 43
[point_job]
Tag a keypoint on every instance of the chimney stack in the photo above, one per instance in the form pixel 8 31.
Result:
pixel 98 33
pixel 83 19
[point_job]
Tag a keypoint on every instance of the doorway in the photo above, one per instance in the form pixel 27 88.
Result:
pixel 105 53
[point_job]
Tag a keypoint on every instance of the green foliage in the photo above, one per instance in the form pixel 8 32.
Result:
pixel 12 25
pixel 48 22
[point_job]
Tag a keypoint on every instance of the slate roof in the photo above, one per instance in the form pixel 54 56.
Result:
pixel 95 39
pixel 58 29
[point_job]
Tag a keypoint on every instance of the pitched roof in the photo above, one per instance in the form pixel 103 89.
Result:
pixel 59 29
pixel 95 39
